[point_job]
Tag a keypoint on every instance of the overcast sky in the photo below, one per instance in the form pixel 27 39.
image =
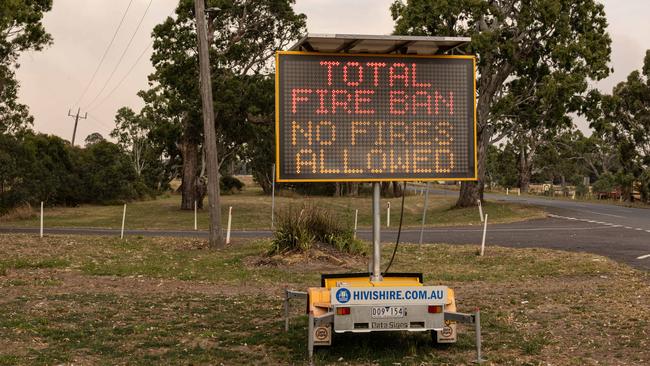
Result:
pixel 52 81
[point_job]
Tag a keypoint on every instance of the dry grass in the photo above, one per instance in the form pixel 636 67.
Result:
pixel 20 213
pixel 89 300
pixel 252 210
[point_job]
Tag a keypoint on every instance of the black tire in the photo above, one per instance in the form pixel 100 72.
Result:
pixel 436 344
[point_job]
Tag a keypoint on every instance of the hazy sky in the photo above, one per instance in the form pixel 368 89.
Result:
pixel 53 80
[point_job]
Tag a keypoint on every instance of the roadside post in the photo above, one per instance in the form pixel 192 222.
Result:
pixel 356 217
pixel 123 221
pixel 480 209
pixel 376 90
pixel 196 222
pixel 41 231
pixel 484 232
pixel 507 191
pixel 388 215
pixel 229 222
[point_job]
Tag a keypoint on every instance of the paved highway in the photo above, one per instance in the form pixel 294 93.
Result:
pixel 599 212
pixel 620 233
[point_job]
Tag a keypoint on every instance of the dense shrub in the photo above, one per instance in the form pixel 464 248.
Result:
pixel 605 183
pixel 298 230
pixel 38 167
pixel 230 184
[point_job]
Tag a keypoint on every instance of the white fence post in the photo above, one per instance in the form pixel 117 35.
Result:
pixel 480 209
pixel 484 232
pixel 356 217
pixel 507 191
pixel 229 222
pixel 518 191
pixel 196 224
pixel 41 219
pixel 123 220
pixel 273 197
pixel 388 215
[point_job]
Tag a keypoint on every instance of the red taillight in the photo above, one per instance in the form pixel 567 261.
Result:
pixel 343 311
pixel 435 309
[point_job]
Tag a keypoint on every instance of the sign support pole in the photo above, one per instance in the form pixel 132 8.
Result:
pixel 424 212
pixel 376 233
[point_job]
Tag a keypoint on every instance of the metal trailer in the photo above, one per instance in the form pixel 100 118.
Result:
pixel 371 302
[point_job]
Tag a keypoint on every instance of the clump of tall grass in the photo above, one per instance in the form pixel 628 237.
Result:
pixel 20 212
pixel 300 229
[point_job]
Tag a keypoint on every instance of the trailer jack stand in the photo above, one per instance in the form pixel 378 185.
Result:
pixel 470 319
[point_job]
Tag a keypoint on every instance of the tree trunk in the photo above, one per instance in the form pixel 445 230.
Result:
pixel 397 190
pixel 524 171
pixel 190 153
pixel 385 186
pixel 338 189
pixel 472 191
pixel 353 189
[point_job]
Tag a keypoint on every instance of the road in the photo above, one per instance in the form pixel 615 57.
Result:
pixel 617 232
pixel 599 212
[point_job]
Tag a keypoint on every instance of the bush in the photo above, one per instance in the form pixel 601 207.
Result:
pixel 21 212
pixel 230 184
pixel 582 190
pixel 38 167
pixel 291 233
pixel 605 183
pixel 298 230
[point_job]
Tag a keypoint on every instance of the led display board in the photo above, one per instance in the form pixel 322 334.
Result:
pixel 346 117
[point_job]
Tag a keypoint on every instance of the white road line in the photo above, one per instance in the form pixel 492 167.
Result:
pixel 604 214
pixel 643 256
pixel 609 224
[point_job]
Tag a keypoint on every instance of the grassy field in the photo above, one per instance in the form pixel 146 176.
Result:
pixel 252 210
pixel 92 300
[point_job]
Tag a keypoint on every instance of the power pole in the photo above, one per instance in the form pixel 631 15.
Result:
pixel 209 134
pixel 76 122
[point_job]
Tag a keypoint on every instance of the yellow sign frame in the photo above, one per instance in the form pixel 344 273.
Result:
pixel 277 116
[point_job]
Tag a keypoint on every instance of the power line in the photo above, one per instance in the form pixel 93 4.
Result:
pixel 123 78
pixel 123 54
pixel 128 72
pixel 93 117
pixel 119 26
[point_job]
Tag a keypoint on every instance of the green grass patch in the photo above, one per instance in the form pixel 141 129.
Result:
pixel 252 210
pixel 23 263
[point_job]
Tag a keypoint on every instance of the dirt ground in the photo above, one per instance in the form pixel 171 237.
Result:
pixel 78 300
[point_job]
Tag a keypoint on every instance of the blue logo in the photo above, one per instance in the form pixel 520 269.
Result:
pixel 343 295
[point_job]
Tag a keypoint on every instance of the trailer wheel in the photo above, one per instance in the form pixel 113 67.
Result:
pixel 436 344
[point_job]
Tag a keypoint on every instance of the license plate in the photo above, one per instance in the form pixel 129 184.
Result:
pixel 387 312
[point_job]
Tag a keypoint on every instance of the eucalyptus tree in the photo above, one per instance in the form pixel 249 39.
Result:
pixel 243 35
pixel 513 39
pixel 625 119
pixel 131 132
pixel 21 29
